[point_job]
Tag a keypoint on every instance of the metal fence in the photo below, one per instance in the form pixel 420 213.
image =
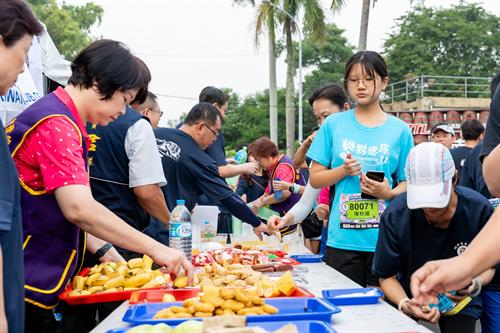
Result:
pixel 437 86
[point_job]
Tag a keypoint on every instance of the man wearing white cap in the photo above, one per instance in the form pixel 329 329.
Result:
pixel 444 134
pixel 432 220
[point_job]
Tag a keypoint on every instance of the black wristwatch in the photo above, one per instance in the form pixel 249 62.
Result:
pixel 291 188
pixel 102 251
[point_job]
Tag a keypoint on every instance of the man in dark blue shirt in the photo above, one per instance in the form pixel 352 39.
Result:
pixel 433 220
pixel 11 240
pixel 216 151
pixel 190 172
pixel 472 133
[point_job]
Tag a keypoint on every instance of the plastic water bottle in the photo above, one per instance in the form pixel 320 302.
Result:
pixel 278 194
pixel 180 234
pixel 241 155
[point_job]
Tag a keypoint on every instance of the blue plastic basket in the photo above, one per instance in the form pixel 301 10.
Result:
pixel 290 309
pixel 303 326
pixel 332 296
pixel 308 258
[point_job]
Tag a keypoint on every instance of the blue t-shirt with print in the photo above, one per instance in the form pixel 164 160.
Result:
pixel 381 148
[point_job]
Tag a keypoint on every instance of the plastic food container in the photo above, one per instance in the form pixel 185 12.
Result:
pixel 290 309
pixel 355 296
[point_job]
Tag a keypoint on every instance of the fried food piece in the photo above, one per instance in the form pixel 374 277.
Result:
pixel 107 269
pixel 164 314
pixel 190 309
pixel 116 282
pixel 203 314
pixel 204 307
pixel 134 271
pixel 183 315
pixel 210 294
pixel 95 290
pixel 138 280
pixel 240 296
pixel 232 305
pixel 190 301
pixel 92 278
pixel 79 282
pixel 181 282
pixel 168 298
pixel 135 263
pixel 100 281
pixel 227 293
pixel 110 290
pixel 269 309
pixel 147 262
pixel 247 312
pixel 177 309
pixel 75 293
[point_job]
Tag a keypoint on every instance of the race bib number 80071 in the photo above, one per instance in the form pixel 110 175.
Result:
pixel 358 213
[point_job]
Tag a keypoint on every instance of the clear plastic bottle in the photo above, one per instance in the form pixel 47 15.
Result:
pixel 180 234
pixel 241 156
pixel 278 194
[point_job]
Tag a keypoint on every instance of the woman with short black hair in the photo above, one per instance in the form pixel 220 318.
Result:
pixel 49 145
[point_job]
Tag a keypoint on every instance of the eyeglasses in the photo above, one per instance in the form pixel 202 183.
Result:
pixel 354 81
pixel 214 132
pixel 160 112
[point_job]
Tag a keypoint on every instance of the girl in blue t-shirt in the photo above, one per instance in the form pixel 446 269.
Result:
pixel 347 147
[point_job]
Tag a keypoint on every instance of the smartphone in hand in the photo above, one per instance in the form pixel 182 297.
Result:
pixel 374 175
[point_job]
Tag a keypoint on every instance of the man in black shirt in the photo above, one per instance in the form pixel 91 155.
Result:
pixel 472 133
pixel 432 220
pixel 190 172
pixel 491 148
pixel 216 151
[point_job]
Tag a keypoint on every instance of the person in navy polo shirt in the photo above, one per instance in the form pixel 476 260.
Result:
pixel 17 27
pixel 433 220
pixel 190 172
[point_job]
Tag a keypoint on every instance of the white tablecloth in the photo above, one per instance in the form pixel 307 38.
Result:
pixel 377 318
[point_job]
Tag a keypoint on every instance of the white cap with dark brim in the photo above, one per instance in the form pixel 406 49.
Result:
pixel 429 172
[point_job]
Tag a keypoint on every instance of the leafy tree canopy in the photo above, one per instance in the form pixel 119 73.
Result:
pixel 459 41
pixel 68 25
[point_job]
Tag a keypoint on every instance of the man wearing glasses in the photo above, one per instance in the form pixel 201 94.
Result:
pixel 190 172
pixel 150 109
pixel 216 151
pixel 125 169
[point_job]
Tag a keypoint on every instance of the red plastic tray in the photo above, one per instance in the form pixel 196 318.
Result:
pixel 96 298
pixel 156 296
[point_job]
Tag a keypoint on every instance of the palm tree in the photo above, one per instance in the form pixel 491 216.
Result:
pixel 266 18
pixel 337 5
pixel 314 22
pixel 269 14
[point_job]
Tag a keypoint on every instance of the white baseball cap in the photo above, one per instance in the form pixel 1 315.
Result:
pixel 429 172
pixel 445 128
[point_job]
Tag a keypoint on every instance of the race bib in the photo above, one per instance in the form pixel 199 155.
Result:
pixel 359 213
pixel 495 202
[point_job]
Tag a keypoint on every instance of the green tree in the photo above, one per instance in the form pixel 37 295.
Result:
pixel 314 23
pixel 459 41
pixel 267 19
pixel 69 26
pixel 247 119
pixel 326 60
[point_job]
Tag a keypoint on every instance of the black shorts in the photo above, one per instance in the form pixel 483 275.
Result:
pixel 457 323
pixel 356 265
pixel 225 223
pixel 312 226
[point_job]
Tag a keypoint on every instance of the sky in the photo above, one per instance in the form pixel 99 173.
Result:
pixel 190 44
